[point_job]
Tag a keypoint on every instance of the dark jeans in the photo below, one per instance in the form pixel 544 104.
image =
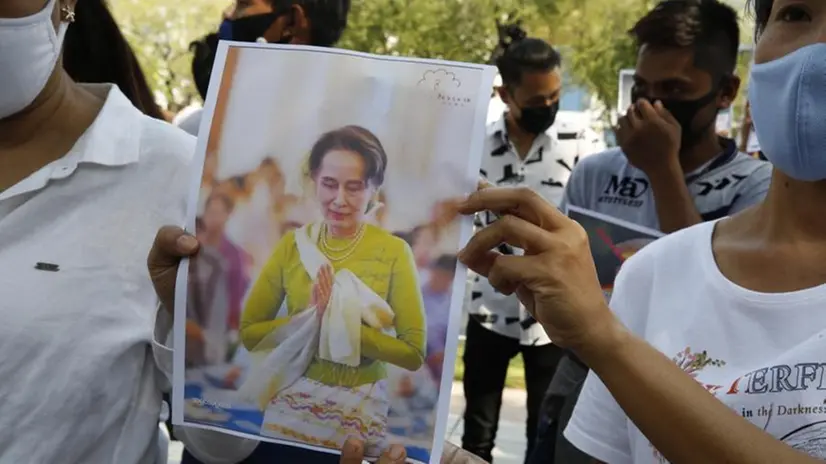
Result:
pixel 270 453
pixel 551 445
pixel 486 359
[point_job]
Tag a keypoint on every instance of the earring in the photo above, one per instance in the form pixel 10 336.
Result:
pixel 68 14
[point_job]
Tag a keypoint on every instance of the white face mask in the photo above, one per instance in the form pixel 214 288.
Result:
pixel 29 49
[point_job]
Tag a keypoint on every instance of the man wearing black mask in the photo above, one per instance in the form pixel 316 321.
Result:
pixel 522 149
pixel 297 22
pixel 672 170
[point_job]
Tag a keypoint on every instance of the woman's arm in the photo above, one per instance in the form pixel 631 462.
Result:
pixel 680 418
pixel 265 298
pixel 406 350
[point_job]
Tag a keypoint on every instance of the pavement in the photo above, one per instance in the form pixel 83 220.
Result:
pixel 510 439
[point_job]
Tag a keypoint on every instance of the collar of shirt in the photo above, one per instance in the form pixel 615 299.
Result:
pixel 499 131
pixel 729 153
pixel 104 143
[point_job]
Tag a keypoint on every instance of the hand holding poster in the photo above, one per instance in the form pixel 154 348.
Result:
pixel 612 242
pixel 325 301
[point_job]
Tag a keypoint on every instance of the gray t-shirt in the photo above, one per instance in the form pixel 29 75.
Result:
pixel 607 183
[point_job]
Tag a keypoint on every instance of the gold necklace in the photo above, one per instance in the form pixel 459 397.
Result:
pixel 355 238
pixel 347 250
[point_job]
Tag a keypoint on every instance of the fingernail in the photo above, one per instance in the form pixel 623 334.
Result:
pixel 461 256
pixel 187 243
pixel 396 452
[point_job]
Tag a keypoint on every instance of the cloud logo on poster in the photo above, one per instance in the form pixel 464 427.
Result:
pixel 445 86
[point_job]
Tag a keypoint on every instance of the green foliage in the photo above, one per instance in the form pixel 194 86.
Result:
pixel 160 34
pixel 592 35
pixel 461 30
pixel 598 44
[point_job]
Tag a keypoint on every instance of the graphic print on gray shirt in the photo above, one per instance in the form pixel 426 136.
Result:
pixel 607 183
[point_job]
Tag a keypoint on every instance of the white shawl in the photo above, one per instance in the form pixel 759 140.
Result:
pixel 283 356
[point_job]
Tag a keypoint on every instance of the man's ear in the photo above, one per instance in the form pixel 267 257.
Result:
pixel 728 92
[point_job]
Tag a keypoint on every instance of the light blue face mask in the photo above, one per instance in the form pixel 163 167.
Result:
pixel 788 107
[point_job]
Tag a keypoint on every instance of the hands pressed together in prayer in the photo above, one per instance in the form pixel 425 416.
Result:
pixel 555 278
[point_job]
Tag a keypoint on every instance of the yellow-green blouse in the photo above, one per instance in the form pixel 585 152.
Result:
pixel 385 264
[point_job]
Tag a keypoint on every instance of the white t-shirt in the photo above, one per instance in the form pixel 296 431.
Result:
pixel 763 355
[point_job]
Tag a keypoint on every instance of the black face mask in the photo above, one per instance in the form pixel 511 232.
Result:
pixel 251 28
pixel 537 119
pixel 685 111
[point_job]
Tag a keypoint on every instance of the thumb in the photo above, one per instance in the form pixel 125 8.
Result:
pixel 395 455
pixel 171 244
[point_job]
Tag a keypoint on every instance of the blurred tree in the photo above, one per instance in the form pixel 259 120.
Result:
pixel 597 43
pixel 160 34
pixel 461 30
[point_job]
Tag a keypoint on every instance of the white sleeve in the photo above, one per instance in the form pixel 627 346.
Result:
pixel 207 446
pixel 598 426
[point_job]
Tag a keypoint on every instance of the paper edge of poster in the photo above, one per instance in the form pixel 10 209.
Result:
pixel 194 192
pixel 340 51
pixel 460 279
pixel 613 220
pixel 294 444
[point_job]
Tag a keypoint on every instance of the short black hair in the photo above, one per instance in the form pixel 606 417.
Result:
pixel 328 18
pixel 526 55
pixel 356 139
pixel 709 27
pixel 762 9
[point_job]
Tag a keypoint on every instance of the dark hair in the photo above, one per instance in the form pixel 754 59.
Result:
pixel 356 139
pixel 203 57
pixel 762 9
pixel 95 51
pixel 445 262
pixel 709 27
pixel 328 18
pixel 526 55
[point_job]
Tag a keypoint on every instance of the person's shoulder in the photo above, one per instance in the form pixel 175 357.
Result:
pixel 162 142
pixel 381 238
pixel 751 165
pixel 191 122
pixel 606 160
pixel 610 161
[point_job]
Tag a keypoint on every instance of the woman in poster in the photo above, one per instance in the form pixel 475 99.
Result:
pixel 336 270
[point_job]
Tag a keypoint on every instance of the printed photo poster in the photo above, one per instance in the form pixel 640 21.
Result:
pixel 612 242
pixel 326 299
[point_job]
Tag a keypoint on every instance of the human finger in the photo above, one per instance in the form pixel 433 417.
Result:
pixel 521 202
pixel 506 273
pixel 171 244
pixel 483 184
pixel 646 110
pixel 664 113
pixel 352 452
pixel 632 116
pixel 480 263
pixel 327 277
pixel 510 230
pixel 396 454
